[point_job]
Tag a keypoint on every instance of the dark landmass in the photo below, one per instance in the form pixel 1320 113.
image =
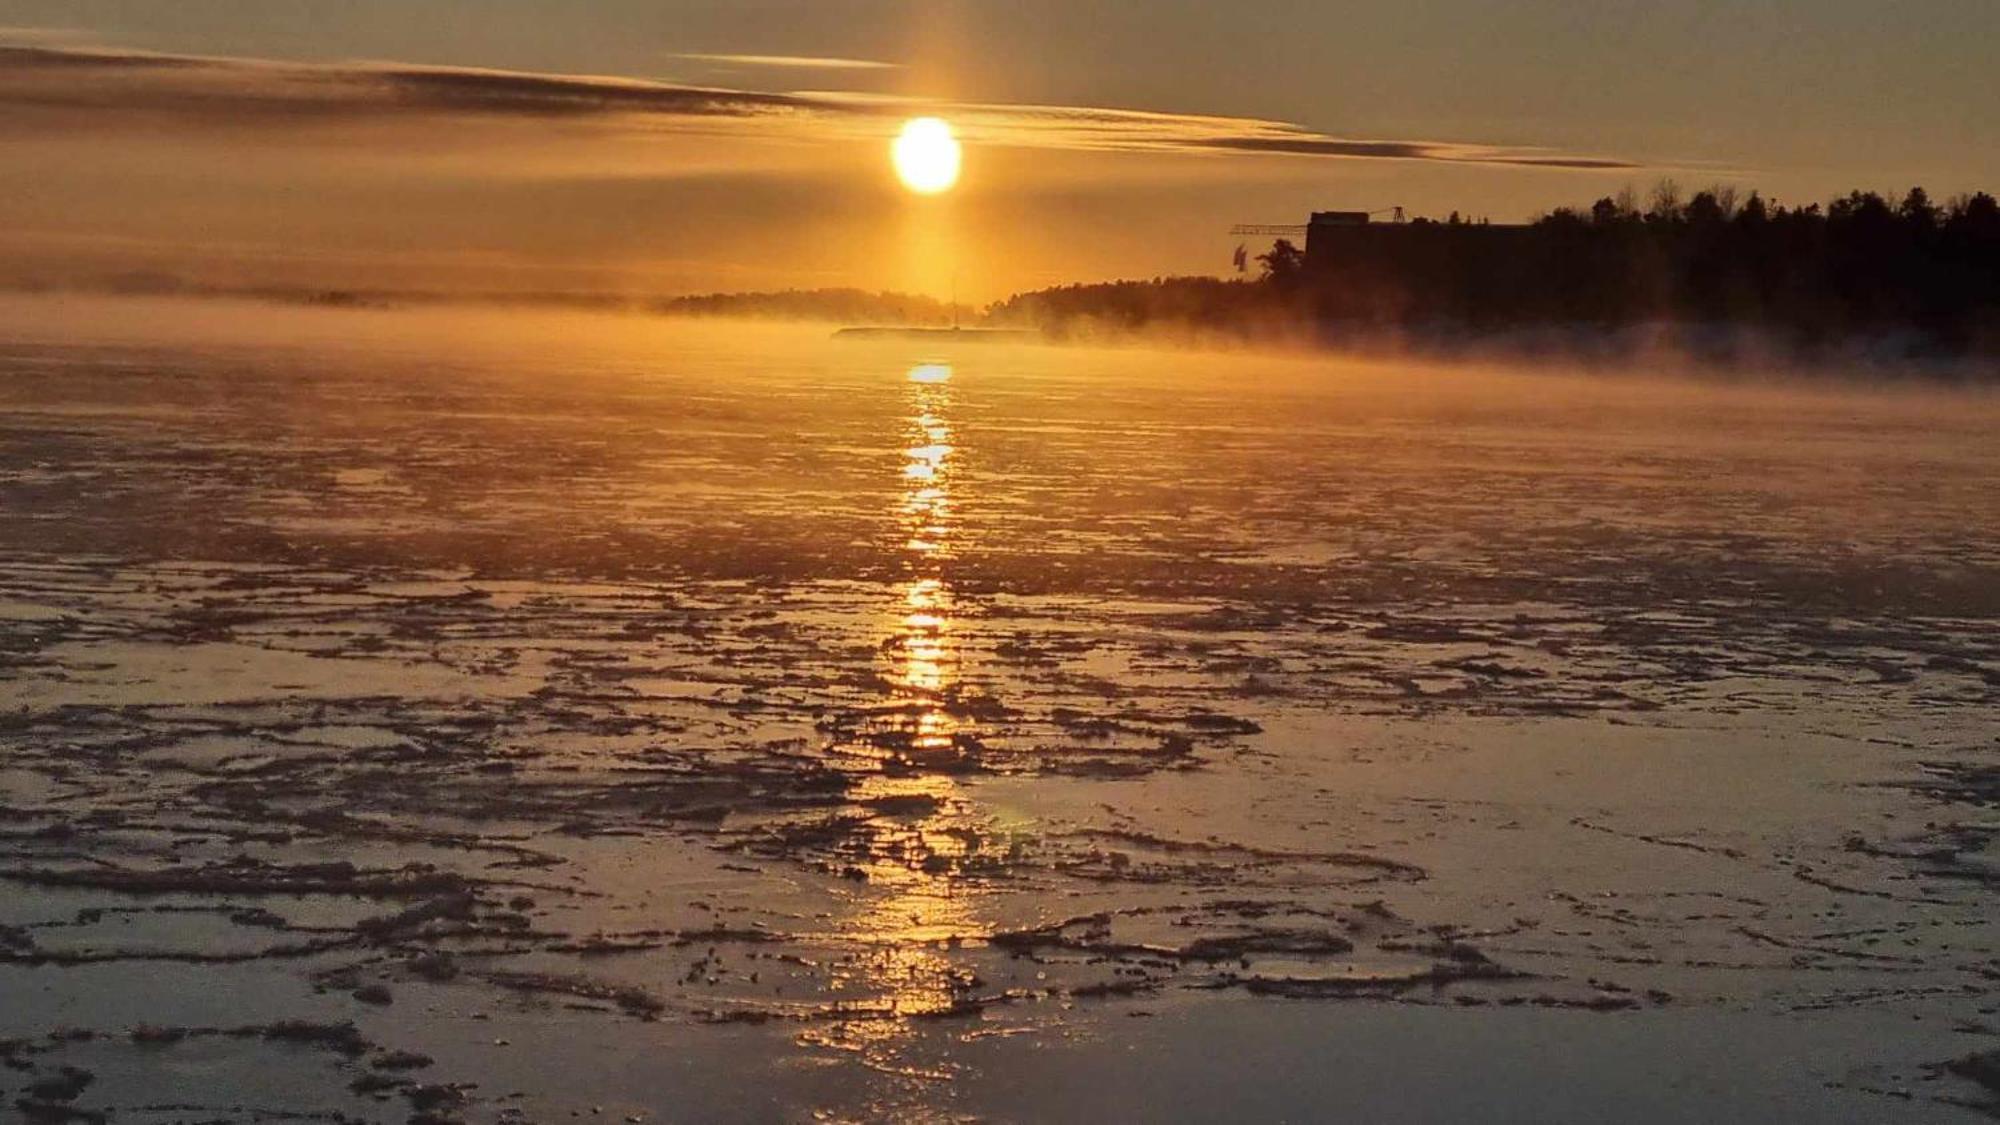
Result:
pixel 1714 277
pixel 853 306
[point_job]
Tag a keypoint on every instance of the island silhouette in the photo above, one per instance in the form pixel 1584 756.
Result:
pixel 1718 275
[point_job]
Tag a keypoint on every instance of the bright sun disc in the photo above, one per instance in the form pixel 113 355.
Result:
pixel 927 156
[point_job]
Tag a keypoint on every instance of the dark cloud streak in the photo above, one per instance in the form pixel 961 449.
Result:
pixel 109 88
pixel 25 57
pixel 1407 150
pixel 506 92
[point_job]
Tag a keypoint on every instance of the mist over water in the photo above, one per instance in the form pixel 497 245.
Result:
pixel 705 719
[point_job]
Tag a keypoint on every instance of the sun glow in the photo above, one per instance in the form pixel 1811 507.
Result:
pixel 927 156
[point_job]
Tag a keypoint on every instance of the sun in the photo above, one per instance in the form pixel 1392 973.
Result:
pixel 927 156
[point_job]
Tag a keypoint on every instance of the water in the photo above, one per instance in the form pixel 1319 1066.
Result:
pixel 699 721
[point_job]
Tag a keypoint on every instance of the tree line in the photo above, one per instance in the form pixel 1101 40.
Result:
pixel 1813 276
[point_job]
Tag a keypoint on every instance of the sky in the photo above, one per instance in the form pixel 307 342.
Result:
pixel 672 146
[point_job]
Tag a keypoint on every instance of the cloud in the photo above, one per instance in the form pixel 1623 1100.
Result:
pixel 19 33
pixel 122 85
pixel 26 56
pixel 511 92
pixel 103 88
pixel 792 62
pixel 1409 150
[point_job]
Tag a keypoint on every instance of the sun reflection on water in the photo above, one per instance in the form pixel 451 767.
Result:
pixel 916 903
pixel 924 650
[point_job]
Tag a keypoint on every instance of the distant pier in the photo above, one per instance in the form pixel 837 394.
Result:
pixel 936 335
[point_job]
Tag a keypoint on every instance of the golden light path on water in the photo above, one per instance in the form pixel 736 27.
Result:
pixel 916 902
pixel 926 657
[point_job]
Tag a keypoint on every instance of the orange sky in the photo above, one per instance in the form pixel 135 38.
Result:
pixel 726 150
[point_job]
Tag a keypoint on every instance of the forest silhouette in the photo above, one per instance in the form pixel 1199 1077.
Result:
pixel 1910 276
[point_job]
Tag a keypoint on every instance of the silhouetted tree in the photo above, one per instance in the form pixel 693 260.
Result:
pixel 1283 264
pixel 1976 217
pixel 1704 210
pixel 1918 211
pixel 1665 206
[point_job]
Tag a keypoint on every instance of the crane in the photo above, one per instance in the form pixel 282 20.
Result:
pixel 1288 230
pixel 1284 229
